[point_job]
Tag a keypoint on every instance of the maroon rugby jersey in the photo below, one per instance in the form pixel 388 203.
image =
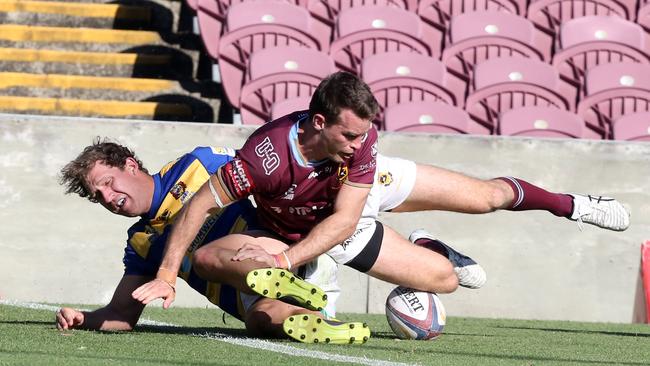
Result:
pixel 292 195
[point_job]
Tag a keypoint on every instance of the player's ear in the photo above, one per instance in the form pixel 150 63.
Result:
pixel 318 120
pixel 131 165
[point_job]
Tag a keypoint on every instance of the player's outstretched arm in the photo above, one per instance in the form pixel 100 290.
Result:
pixel 334 229
pixel 122 313
pixel 185 228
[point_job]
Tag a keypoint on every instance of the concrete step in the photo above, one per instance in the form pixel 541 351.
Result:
pixel 41 35
pixel 96 108
pixel 51 13
pixel 146 62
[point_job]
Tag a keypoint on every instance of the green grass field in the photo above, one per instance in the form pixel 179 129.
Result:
pixel 200 337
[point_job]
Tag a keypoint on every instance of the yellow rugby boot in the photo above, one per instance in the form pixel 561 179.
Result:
pixel 309 328
pixel 277 283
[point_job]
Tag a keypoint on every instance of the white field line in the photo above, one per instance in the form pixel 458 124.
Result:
pixel 246 342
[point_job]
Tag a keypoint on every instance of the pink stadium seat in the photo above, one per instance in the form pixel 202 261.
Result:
pixel 538 121
pixel 254 25
pixel 325 12
pixel 211 15
pixel 437 14
pixel 281 73
pixel 613 91
pixel 479 36
pixel 502 84
pixel 592 40
pixel 193 4
pixel 401 77
pixel 284 107
pixel 429 117
pixel 549 15
pixel 632 127
pixel 643 15
pixel 368 30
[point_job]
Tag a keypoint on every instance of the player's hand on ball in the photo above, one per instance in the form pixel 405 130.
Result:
pixel 155 289
pixel 67 318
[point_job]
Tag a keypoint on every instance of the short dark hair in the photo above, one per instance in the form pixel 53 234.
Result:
pixel 343 90
pixel 74 174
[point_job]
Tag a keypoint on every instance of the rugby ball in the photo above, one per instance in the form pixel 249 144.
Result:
pixel 415 314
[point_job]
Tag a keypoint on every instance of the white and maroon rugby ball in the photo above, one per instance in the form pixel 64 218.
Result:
pixel 415 314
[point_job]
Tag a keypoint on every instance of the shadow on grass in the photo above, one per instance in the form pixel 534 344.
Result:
pixel 581 331
pixel 227 332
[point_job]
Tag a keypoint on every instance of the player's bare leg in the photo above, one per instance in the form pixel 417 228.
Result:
pixel 266 316
pixel 213 262
pixel 403 263
pixel 441 189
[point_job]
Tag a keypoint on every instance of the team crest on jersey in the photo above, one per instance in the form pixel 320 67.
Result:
pixel 385 178
pixel 342 173
pixel 178 189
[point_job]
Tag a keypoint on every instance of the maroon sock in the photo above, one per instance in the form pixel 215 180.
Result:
pixel 530 197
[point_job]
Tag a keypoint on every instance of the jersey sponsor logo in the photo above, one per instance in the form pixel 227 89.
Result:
pixel 178 189
pixel 300 211
pixel 385 178
pixel 276 209
pixel 239 177
pixel 364 168
pixel 270 159
pixel 342 173
pixel 290 193
pixel 304 210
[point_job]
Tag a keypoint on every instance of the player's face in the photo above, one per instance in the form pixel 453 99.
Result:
pixel 121 191
pixel 343 138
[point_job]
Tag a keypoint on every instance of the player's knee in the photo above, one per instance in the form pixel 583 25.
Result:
pixel 259 324
pixel 204 261
pixel 498 195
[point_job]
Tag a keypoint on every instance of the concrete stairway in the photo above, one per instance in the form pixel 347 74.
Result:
pixel 95 58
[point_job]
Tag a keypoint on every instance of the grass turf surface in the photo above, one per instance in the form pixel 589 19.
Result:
pixel 29 337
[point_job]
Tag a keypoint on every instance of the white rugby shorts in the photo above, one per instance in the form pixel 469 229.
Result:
pixel 394 182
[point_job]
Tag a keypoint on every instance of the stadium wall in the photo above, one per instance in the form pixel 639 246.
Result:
pixel 63 249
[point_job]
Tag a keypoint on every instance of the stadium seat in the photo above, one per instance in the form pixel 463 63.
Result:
pixel 479 36
pixel 436 15
pixel 368 30
pixel 325 12
pixel 401 77
pixel 193 4
pixel 643 15
pixel 505 83
pixel 632 127
pixel 592 40
pixel 549 15
pixel 539 121
pixel 280 73
pixel 430 117
pixel 286 106
pixel 211 15
pixel 613 91
pixel 254 25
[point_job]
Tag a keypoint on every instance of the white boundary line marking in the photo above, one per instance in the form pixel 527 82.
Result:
pixel 246 342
